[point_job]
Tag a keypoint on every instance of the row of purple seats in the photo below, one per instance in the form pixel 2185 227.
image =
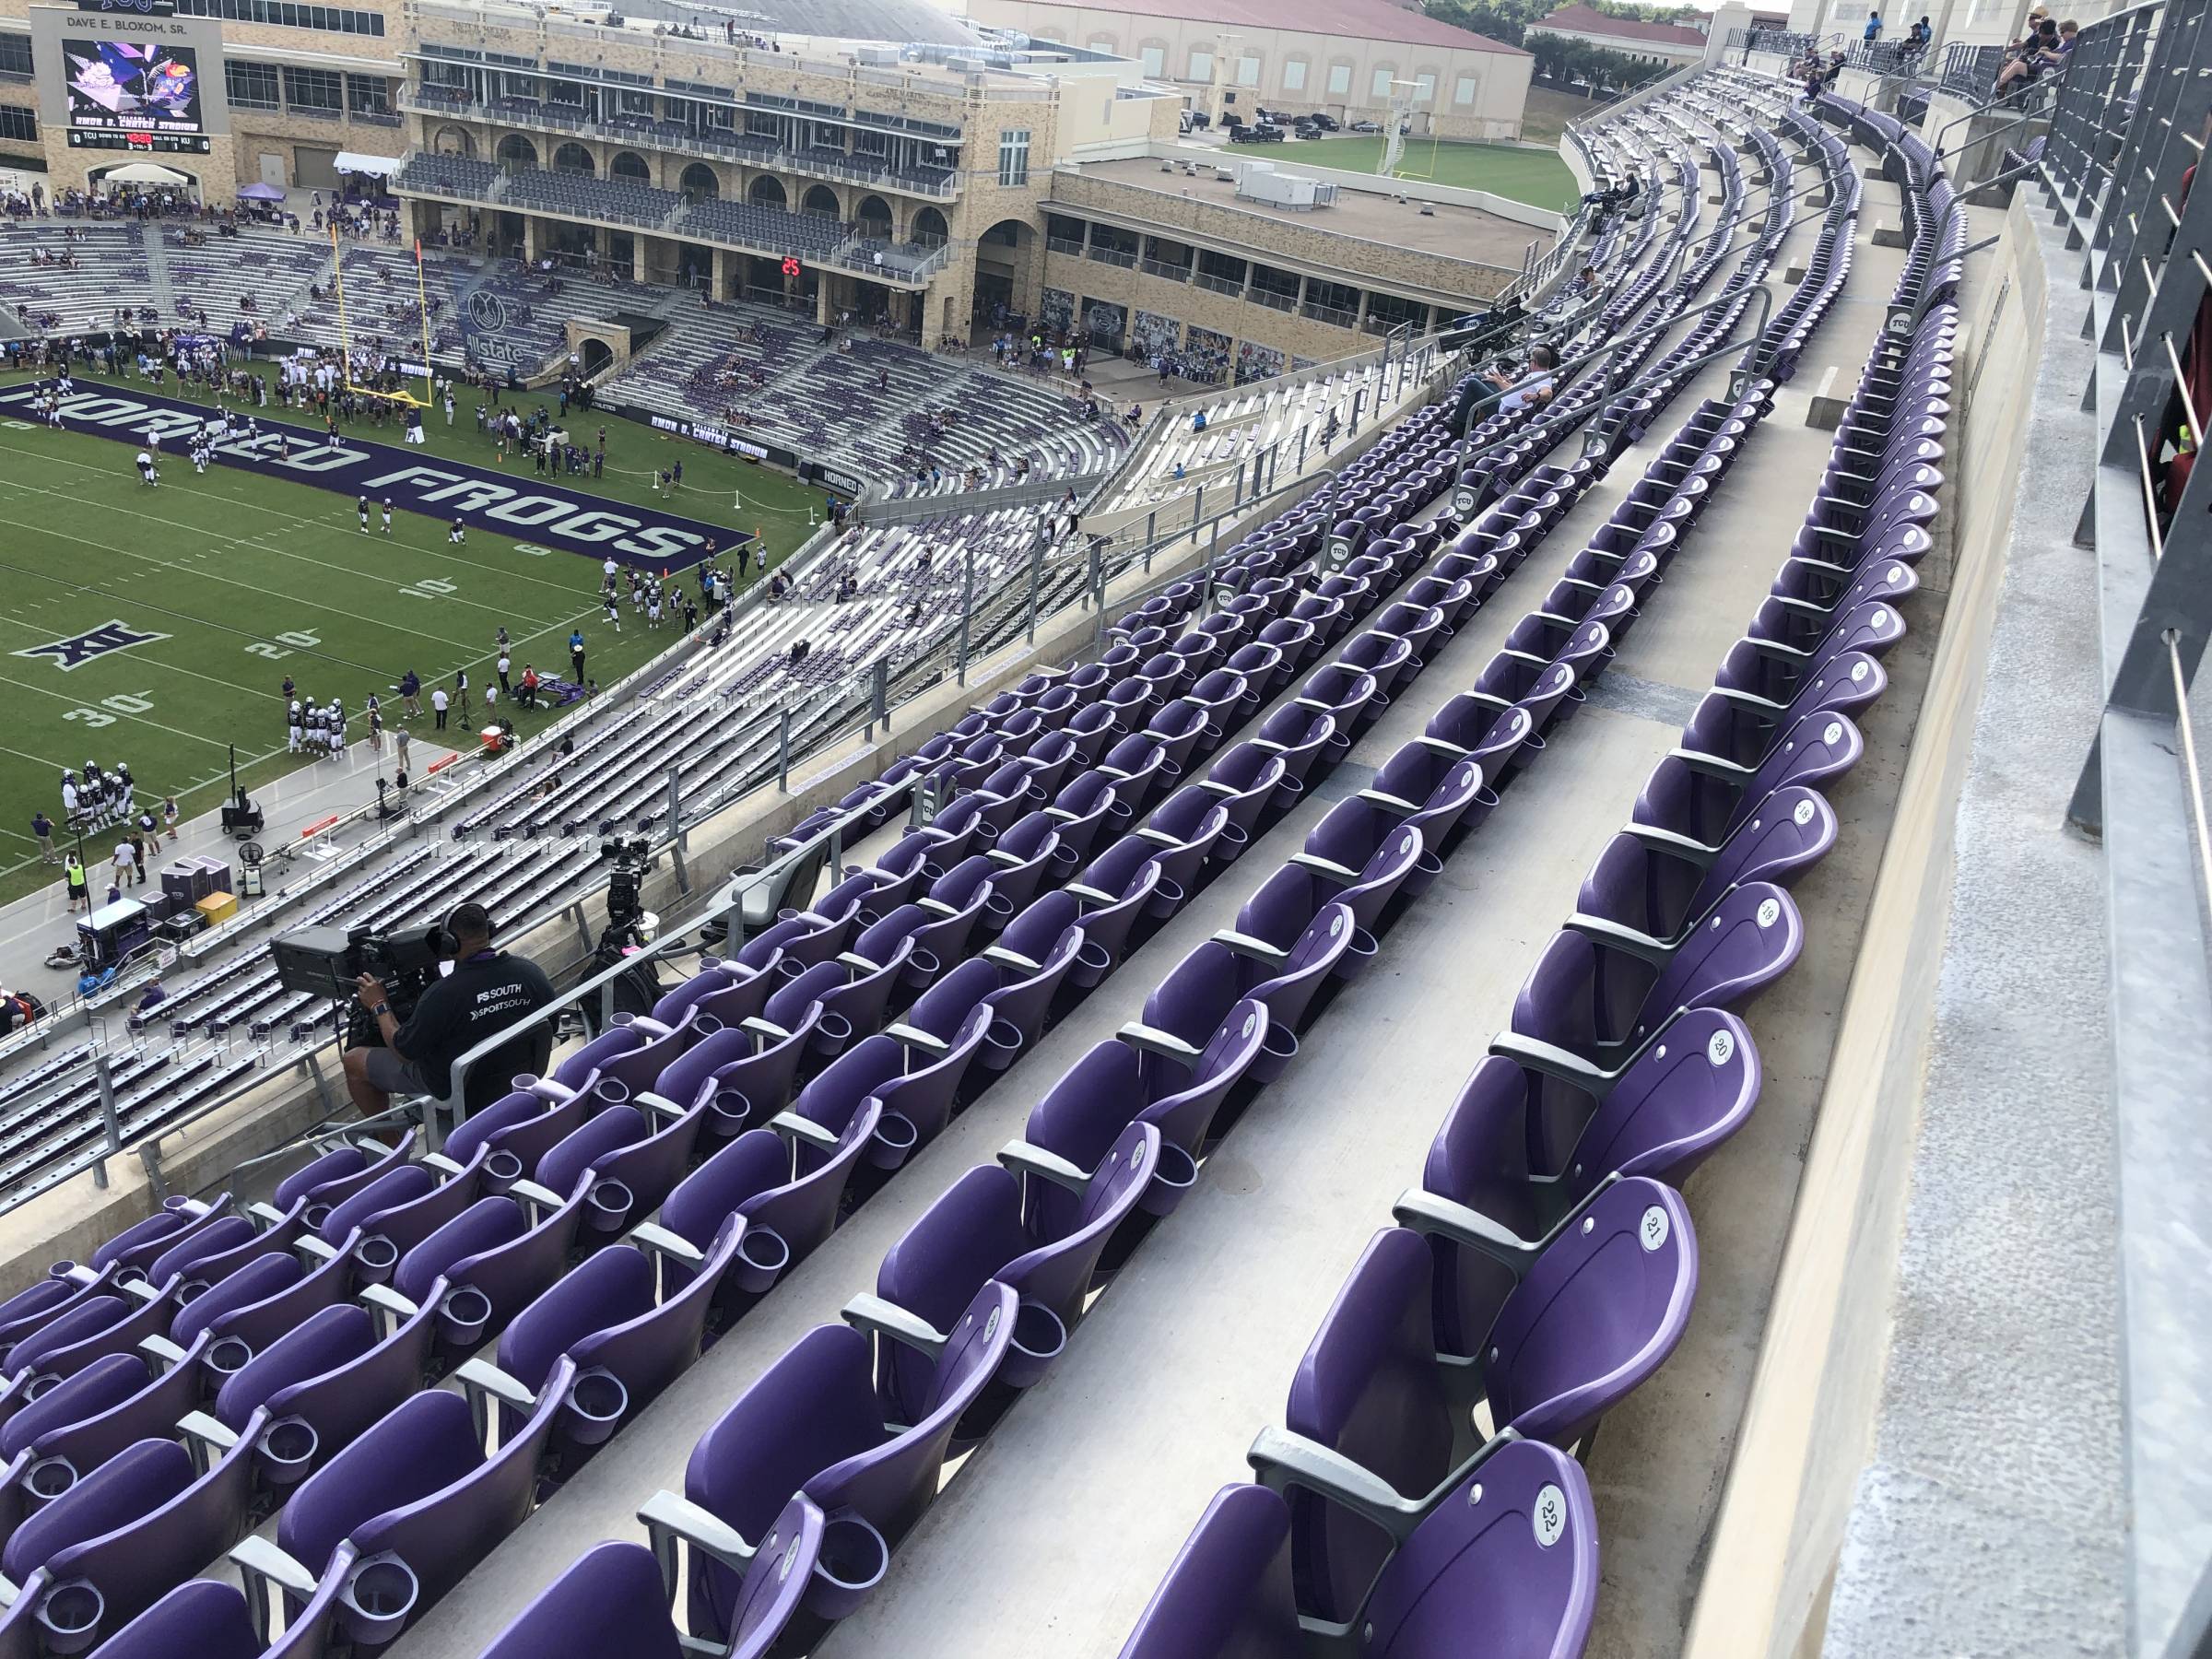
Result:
pixel 528 1415
pixel 1545 1266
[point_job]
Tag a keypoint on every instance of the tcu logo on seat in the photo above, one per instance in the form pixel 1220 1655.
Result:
pixel 111 635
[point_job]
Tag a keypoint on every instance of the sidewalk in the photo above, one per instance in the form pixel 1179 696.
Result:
pixel 32 926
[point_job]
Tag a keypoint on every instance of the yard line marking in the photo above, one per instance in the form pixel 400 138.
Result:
pixel 503 572
pixel 239 541
pixel 117 714
pixel 146 655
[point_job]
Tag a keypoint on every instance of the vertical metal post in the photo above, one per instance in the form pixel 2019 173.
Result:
pixel 784 748
pixel 1238 500
pixel 1198 508
pixel 1098 580
pixel 967 607
pixel 1301 447
pixel 109 1123
pixel 1358 398
pixel 1151 536
pixel 880 697
pixel 676 807
pixel 1036 580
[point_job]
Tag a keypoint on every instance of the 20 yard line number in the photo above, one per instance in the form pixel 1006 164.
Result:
pixel 283 645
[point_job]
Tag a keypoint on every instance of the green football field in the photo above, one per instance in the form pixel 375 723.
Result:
pixel 249 578
pixel 1536 177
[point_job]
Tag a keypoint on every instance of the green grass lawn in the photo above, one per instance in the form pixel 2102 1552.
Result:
pixel 252 577
pixel 1536 177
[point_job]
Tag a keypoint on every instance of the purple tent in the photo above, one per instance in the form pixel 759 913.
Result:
pixel 261 192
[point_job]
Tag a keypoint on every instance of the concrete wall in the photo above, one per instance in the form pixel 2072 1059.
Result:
pixel 1810 1429
pixel 1497 78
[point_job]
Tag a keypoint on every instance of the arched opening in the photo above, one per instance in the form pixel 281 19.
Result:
pixel 517 151
pixel 629 164
pixel 766 192
pixel 821 199
pixel 1001 255
pixel 454 141
pixel 873 215
pixel 594 356
pixel 574 158
pixel 700 183
pixel 929 228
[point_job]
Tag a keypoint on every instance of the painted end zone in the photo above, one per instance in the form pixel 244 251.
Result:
pixel 481 499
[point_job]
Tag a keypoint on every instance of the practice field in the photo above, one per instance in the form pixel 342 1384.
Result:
pixel 235 579
pixel 1536 177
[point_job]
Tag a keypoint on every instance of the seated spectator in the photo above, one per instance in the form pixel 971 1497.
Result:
pixel 1533 387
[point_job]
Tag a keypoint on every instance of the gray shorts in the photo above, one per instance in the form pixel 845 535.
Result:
pixel 387 1072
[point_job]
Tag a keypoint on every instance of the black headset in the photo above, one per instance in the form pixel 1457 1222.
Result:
pixel 445 937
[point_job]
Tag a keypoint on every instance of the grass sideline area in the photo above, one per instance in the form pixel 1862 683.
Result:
pixel 1536 177
pixel 249 576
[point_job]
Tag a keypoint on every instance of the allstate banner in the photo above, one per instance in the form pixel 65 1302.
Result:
pixel 519 506
pixel 488 335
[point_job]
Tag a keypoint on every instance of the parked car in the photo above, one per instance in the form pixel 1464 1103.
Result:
pixel 1198 119
pixel 1262 132
pixel 1366 126
pixel 1305 129
pixel 1326 123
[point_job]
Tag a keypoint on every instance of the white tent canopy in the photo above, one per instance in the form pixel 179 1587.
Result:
pixel 383 167
pixel 144 173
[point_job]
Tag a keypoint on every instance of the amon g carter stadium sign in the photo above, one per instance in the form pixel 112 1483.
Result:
pixel 565 520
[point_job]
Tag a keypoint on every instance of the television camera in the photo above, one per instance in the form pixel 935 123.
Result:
pixel 325 961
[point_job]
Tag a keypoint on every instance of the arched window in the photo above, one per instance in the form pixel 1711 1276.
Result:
pixel 821 199
pixel 767 192
pixel 701 181
pixel 629 164
pixel 573 159
pixel 517 151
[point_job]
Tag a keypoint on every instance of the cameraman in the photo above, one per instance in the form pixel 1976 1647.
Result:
pixel 486 991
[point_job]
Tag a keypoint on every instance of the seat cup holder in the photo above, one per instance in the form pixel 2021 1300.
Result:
pixel 374 1258
pixel 501 1170
pixel 376 1601
pixel 607 1208
pixel 852 1562
pixel 314 1214
pixel 789 969
pixel 610 1092
pixel 704 1024
pixel 1001 1043
pixel 463 1315
pixel 1356 955
pixel 922 963
pixel 49 1477
pixel 1428 864
pixel 45 1384
pixel 1000 908
pixel 70 1614
pixel 1040 1337
pixel 1279 1047
pixel 762 1254
pixel 227 1355
pixel 287 1450
pixel 728 1111
pixel 1176 1175
pixel 1233 841
pixel 894 1141
pixel 596 1404
pixel 834 1028
pixel 1093 960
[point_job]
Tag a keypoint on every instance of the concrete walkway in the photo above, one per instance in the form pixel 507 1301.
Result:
pixel 34 925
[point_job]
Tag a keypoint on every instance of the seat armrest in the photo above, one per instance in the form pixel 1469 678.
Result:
pixel 929 1043
pixel 161 1354
pixel 667 1517
pixel 1425 1212
pixel 766 1031
pixel 1013 961
pixel 543 1199
pixel 1554 1062
pixel 1159 838
pixel 268 1214
pixel 1388 803
pixel 206 1439
pixel 1025 1159
pixel 858 964
pixel 1151 1039
pixel 999 855
pixel 658 1106
pixel 1282 1460
pixel 1089 894
pixel 1442 746
pixel 937 907
pixel 1063 815
pixel 395 1309
pixel 441 1163
pixel 264 1564
pixel 1269 745
pixel 1712 766
pixel 1244 945
pixel 1612 936
pixel 655 1239
pixel 794 1128
pixel 1674 845
pixel 1324 866
pixel 873 1316
pixel 484 1384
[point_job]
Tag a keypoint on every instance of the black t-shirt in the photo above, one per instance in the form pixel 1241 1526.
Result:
pixel 481 997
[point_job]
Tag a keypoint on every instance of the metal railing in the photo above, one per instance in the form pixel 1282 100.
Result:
pixel 1970 72
pixel 2132 108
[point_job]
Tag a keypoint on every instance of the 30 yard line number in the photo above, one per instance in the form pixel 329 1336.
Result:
pixel 122 703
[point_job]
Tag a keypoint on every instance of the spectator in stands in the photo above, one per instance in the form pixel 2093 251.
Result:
pixel 2040 50
pixel 154 998
pixel 1533 387
pixel 487 990
pixel 1873 30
